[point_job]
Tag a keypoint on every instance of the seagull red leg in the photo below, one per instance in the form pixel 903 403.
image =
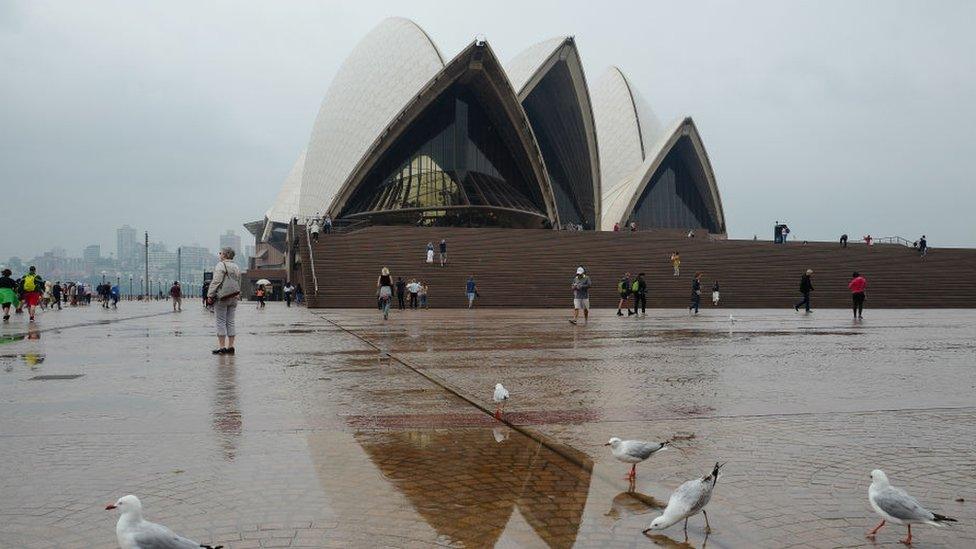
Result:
pixel 908 540
pixel 876 528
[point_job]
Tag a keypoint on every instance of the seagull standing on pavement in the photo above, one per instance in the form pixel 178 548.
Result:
pixel 896 505
pixel 500 397
pixel 634 452
pixel 687 501
pixel 135 532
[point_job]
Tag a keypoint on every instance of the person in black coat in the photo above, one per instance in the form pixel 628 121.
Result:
pixel 695 293
pixel 806 286
pixel 401 290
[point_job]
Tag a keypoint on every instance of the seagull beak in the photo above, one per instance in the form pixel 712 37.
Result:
pixel 110 506
pixel 607 444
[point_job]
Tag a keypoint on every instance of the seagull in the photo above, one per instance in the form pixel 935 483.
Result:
pixel 134 532
pixel 501 396
pixel 896 505
pixel 634 452
pixel 690 498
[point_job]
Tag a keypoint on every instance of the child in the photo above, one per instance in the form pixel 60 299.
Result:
pixel 715 295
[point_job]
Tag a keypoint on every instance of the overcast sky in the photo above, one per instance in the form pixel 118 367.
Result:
pixel 183 118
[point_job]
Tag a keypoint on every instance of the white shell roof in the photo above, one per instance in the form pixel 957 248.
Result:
pixel 523 67
pixel 378 78
pixel 285 205
pixel 625 125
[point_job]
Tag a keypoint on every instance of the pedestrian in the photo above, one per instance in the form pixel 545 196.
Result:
pixel 443 252
pixel 30 289
pixel 715 294
pixel 8 293
pixel 633 226
pixel 401 290
pixel 315 230
pixel 414 290
pixel 424 288
pixel 204 290
pixel 327 224
pixel 843 240
pixel 299 294
pixel 868 240
pixel 224 291
pixel 581 296
pixel 639 288
pixel 104 291
pixel 384 285
pixel 616 227
pixel 57 292
pixel 695 293
pixel 623 288
pixel 857 285
pixel 176 292
pixel 676 263
pixel 116 294
pixel 430 252
pixel 923 247
pixel 289 291
pixel 471 290
pixel 806 286
pixel 786 233
pixel 259 294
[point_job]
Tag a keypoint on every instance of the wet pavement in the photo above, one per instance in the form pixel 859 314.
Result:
pixel 333 429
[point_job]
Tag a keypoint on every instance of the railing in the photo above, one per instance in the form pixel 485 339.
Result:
pixel 894 240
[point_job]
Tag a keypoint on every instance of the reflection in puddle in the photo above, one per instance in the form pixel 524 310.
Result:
pixel 226 412
pixel 632 503
pixel 32 360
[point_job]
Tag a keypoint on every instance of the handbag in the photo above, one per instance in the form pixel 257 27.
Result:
pixel 229 287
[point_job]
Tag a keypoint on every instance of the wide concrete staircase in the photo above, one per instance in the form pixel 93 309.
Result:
pixel 534 268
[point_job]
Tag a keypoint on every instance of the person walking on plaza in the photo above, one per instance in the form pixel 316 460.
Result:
pixel 430 252
pixel 857 285
pixel 414 290
pixel 806 286
pixel 676 263
pixel 623 289
pixel 843 240
pixel 259 294
pixel 384 287
pixel 116 294
pixel 715 294
pixel 204 290
pixel 695 293
pixel 48 296
pixel 30 290
pixel 401 290
pixel 57 293
pixel 639 288
pixel 923 247
pixel 299 295
pixel 8 293
pixel 471 290
pixel 176 292
pixel 289 291
pixel 443 252
pixel 581 296
pixel 224 291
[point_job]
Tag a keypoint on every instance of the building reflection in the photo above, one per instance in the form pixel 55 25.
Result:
pixel 226 421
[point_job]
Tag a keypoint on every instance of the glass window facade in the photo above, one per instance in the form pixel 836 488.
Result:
pixel 554 111
pixel 451 167
pixel 677 195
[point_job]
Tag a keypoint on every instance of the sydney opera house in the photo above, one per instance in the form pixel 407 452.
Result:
pixel 406 135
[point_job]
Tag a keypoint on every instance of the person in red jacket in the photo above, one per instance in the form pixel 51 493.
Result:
pixel 857 285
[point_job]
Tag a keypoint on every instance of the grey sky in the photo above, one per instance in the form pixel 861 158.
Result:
pixel 183 118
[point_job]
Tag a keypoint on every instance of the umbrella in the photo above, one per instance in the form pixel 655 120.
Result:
pixel 263 282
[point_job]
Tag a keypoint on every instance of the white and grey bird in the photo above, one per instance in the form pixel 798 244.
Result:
pixel 135 532
pixel 500 397
pixel 895 505
pixel 687 501
pixel 634 452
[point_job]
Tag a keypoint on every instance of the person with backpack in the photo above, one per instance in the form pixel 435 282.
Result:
pixel 31 286
pixel 224 291
pixel 623 288
pixel 8 293
pixel 639 288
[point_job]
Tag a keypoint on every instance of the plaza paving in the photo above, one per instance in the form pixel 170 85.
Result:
pixel 334 429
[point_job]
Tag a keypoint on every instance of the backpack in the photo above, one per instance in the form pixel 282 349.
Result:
pixel 635 286
pixel 29 284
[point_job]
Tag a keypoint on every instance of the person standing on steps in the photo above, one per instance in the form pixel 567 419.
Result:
pixel 843 240
pixel 695 293
pixel 384 285
pixel 401 290
pixel 430 252
pixel 471 290
pixel 327 224
pixel 443 252
pixel 806 286
pixel 676 263
pixel 314 229
pixel 639 288
pixel 414 290
pixel 715 294
pixel 224 291
pixel 581 296
pixel 8 293
pixel 623 288
pixel 923 247
pixel 857 285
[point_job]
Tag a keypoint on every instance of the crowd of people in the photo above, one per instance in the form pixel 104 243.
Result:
pixel 31 292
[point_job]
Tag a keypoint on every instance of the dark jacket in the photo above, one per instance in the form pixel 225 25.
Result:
pixel 401 287
pixel 695 287
pixel 641 286
pixel 806 285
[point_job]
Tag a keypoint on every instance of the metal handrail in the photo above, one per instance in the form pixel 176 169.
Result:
pixel 894 240
pixel 311 259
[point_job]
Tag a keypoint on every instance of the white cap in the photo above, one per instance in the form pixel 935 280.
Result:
pixel 580 271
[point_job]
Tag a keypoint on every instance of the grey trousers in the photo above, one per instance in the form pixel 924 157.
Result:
pixel 224 311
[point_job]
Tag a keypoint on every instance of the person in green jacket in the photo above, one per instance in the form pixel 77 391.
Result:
pixel 8 293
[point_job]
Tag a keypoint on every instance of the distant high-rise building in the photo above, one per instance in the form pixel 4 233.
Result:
pixel 126 243
pixel 232 240
pixel 92 254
